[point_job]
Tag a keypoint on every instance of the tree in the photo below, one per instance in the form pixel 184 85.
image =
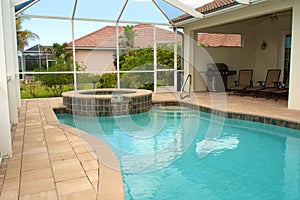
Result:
pixel 142 59
pixel 145 57
pixel 128 39
pixel 63 62
pixel 23 36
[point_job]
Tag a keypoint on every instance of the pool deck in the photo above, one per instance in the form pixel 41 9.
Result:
pixel 53 161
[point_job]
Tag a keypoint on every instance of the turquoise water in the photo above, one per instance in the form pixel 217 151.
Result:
pixel 185 154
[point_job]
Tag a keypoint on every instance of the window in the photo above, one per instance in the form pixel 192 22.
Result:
pixel 219 40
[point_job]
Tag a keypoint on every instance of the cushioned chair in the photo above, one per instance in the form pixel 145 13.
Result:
pixel 244 80
pixel 271 81
pixel 283 89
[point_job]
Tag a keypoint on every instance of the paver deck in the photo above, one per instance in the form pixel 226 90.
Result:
pixel 53 161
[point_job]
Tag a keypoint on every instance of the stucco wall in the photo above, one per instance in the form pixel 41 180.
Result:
pixel 235 57
pixel 96 60
pixel 270 31
pixel 294 97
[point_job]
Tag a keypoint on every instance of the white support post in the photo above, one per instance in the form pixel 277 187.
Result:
pixel 294 83
pixel 16 60
pixel 23 64
pixel 118 55
pixel 184 8
pixel 5 133
pixel 188 54
pixel 11 58
pixel 155 58
pixel 74 56
pixel 175 60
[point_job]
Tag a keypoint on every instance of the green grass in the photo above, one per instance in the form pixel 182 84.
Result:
pixel 36 90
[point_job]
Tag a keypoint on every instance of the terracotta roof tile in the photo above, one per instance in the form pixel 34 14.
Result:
pixel 106 37
pixel 97 38
pixel 208 8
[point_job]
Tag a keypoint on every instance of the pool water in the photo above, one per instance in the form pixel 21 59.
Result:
pixel 185 154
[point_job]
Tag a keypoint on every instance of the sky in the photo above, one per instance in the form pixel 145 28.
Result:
pixel 59 31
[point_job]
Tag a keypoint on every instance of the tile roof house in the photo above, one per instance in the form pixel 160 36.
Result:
pixel 97 49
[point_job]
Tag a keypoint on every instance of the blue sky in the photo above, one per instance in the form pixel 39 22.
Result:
pixel 51 31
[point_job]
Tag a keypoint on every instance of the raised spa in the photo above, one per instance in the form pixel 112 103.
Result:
pixel 107 102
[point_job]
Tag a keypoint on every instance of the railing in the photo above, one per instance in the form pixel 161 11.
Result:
pixel 189 77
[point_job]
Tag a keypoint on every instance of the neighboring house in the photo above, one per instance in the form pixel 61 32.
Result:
pixel 36 56
pixel 97 50
pixel 269 32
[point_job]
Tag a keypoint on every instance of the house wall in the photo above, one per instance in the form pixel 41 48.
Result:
pixel 270 31
pixel 294 85
pixel 235 58
pixel 96 60
pixel 250 55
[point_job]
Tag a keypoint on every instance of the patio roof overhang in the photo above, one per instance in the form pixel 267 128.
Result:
pixel 228 7
pixel 21 5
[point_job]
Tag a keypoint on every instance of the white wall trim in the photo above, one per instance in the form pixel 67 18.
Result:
pixel 294 82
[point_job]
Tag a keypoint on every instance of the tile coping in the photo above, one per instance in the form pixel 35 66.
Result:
pixel 110 184
pixel 226 114
pixel 235 115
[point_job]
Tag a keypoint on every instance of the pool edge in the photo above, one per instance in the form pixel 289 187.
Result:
pixel 110 182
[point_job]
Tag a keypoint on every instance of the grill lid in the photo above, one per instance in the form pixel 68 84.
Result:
pixel 221 67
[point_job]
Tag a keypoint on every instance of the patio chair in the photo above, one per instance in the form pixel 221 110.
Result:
pixel 283 89
pixel 244 81
pixel 271 81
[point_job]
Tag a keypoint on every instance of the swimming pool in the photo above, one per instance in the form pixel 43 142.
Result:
pixel 170 154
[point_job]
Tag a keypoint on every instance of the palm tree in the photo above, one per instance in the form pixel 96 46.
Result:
pixel 23 36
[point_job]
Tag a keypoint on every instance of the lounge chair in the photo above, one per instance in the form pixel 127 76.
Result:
pixel 283 89
pixel 244 81
pixel 271 81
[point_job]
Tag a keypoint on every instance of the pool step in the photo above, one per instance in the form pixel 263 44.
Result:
pixel 171 110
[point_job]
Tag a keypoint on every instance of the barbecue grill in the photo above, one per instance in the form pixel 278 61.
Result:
pixel 217 74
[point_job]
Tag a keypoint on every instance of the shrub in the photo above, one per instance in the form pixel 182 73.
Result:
pixel 108 80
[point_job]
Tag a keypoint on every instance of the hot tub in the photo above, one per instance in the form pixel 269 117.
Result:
pixel 107 102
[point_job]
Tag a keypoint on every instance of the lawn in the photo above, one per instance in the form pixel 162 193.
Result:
pixel 37 90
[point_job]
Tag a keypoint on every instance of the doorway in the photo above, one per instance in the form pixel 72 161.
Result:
pixel 287 57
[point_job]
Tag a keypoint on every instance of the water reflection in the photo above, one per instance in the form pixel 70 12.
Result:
pixel 216 145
